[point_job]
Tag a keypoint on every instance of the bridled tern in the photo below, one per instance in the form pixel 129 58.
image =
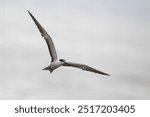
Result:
pixel 55 62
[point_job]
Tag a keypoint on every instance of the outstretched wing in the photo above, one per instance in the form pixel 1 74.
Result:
pixel 84 67
pixel 47 38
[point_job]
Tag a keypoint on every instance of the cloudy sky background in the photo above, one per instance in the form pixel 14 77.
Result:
pixel 110 35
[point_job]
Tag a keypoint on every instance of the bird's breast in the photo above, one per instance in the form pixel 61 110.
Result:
pixel 56 64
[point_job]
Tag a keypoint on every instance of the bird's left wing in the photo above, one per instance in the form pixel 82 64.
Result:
pixel 84 67
pixel 47 38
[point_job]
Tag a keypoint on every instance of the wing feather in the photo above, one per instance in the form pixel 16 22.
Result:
pixel 47 38
pixel 84 67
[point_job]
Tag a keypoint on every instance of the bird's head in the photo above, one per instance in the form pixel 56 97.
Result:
pixel 62 60
pixel 49 68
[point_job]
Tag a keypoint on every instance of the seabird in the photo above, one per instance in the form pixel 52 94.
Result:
pixel 55 62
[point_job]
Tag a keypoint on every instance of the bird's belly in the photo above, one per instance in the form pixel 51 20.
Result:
pixel 57 64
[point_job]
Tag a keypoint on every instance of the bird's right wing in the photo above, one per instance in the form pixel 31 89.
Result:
pixel 84 67
pixel 47 38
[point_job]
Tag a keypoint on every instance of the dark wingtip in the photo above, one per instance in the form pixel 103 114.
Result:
pixel 29 12
pixel 107 74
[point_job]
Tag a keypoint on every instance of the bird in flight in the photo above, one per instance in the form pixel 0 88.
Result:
pixel 55 62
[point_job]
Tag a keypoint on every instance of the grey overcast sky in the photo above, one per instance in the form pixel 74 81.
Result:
pixel 110 35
